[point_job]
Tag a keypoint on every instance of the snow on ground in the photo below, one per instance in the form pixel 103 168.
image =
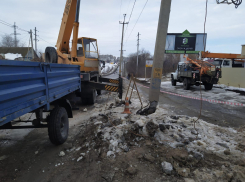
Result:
pixel 214 94
pixel 122 131
pixel 143 79
pixel 229 87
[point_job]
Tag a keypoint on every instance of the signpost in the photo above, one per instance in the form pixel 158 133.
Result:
pixel 148 64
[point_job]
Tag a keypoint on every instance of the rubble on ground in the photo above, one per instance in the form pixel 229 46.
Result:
pixel 166 144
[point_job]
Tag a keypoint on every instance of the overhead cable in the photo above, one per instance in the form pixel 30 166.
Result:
pixel 137 20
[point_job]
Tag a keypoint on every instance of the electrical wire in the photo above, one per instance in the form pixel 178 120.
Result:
pixel 45 41
pixel 119 17
pixel 130 15
pixel 204 43
pixel 8 24
pixel 137 20
pixel 128 6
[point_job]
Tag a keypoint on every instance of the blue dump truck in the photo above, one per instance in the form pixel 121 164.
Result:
pixel 34 87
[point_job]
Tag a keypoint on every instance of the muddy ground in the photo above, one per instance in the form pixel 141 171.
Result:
pixel 104 145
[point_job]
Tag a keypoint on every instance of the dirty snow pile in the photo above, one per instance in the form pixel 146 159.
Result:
pixel 109 69
pixel 122 131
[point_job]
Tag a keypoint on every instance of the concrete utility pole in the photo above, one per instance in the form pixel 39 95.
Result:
pixel 35 39
pixel 123 70
pixel 159 55
pixel 121 56
pixel 137 67
pixel 32 44
pixel 15 35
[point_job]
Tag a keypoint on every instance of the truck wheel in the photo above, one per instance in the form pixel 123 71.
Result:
pixel 58 126
pixel 208 86
pixel 51 55
pixel 186 84
pixel 173 82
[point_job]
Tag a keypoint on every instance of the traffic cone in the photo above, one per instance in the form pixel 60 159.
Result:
pixel 126 110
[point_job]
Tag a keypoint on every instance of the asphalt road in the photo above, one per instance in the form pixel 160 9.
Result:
pixel 220 114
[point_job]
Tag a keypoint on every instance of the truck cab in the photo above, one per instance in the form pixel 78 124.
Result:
pixel 87 55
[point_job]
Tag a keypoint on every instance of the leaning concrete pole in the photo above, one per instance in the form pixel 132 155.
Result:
pixel 159 55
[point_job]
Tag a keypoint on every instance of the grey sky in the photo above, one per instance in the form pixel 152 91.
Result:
pixel 100 19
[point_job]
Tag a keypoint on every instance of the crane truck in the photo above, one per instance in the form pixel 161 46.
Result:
pixel 38 88
pixel 83 52
pixel 196 72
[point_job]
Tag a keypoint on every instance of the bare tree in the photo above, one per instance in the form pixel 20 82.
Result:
pixel 132 63
pixel 8 41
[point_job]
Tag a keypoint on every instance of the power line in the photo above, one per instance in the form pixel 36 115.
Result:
pixel 119 16
pixel 132 11
pixel 137 19
pixel 6 24
pixel 10 25
pixel 130 15
pixel 45 40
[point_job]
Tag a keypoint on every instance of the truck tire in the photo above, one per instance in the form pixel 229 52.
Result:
pixel 186 84
pixel 208 86
pixel 58 125
pixel 173 82
pixel 51 55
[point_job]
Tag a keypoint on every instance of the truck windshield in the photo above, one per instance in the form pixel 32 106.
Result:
pixel 90 47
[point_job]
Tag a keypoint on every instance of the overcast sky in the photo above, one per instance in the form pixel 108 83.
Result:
pixel 100 19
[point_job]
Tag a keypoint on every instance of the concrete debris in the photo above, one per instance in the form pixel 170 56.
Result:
pixel 167 167
pixel 61 154
pixel 36 152
pixel 85 110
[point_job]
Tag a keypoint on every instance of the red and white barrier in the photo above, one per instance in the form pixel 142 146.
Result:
pixel 197 98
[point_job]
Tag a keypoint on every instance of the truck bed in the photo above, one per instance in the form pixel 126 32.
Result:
pixel 27 86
